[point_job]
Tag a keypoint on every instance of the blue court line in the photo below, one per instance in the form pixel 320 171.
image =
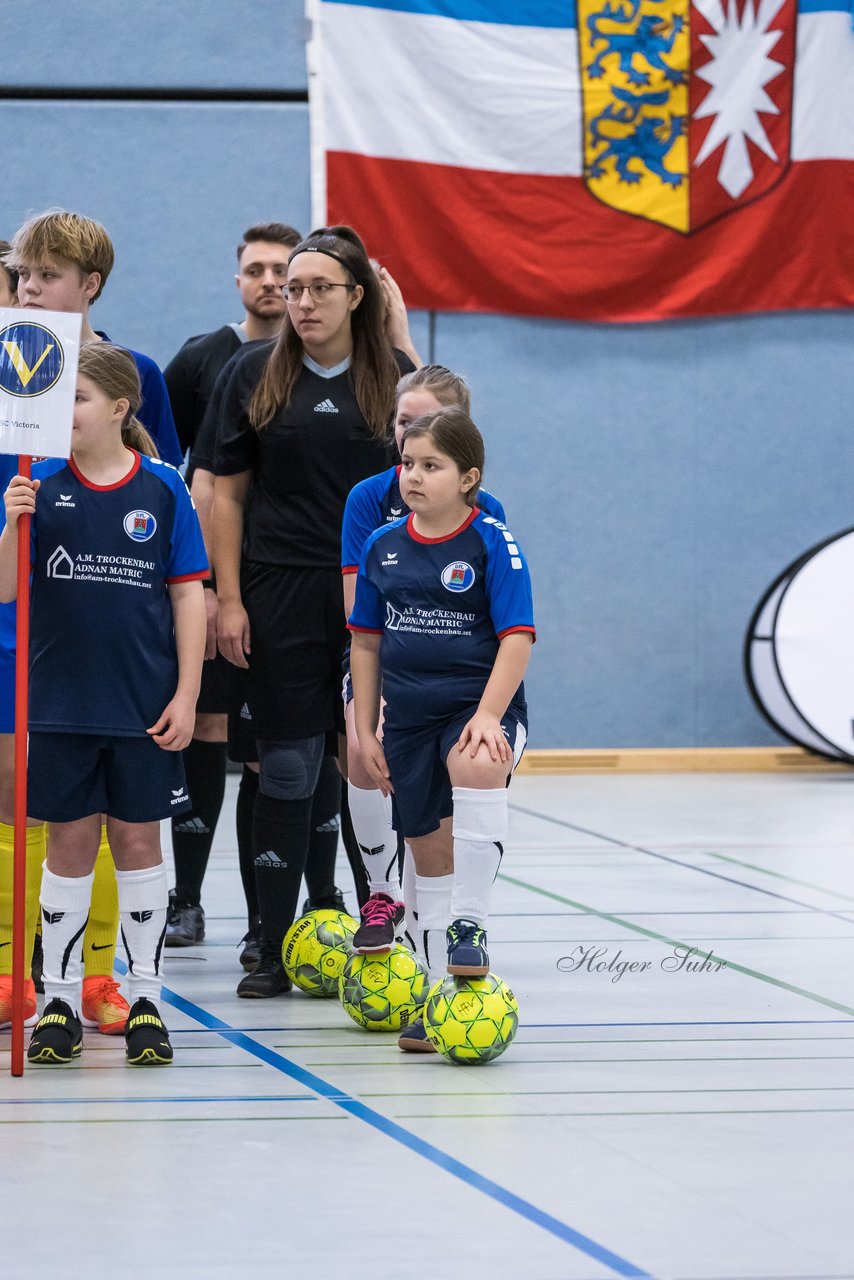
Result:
pixel 685 866
pixel 406 1139
pixel 100 1102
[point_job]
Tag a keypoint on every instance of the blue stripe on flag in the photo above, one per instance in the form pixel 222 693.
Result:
pixel 531 13
pixel 525 13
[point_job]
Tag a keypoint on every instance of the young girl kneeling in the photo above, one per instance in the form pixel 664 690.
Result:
pixel 117 642
pixel 443 625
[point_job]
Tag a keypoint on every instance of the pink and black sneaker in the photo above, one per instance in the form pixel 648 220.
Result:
pixel 380 914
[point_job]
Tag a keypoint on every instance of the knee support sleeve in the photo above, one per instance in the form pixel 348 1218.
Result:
pixel 290 768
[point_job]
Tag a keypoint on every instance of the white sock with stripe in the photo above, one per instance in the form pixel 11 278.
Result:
pixel 65 910
pixel 143 898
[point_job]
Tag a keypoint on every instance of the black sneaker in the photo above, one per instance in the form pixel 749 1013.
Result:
pixel 380 914
pixel 413 1039
pixel 333 901
pixel 57 1036
pixel 38 965
pixel 467 953
pixel 269 979
pixel 251 943
pixel 146 1037
pixel 185 924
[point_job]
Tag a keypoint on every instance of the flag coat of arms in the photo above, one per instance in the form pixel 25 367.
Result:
pixel 591 159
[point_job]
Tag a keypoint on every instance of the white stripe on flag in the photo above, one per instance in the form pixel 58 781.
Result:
pixel 406 86
pixel 477 95
pixel 823 124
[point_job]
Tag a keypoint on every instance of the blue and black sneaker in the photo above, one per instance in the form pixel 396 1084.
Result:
pixel 467 953
pixel 57 1036
pixel 413 1039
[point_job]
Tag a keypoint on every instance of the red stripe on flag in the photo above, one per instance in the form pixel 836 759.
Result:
pixel 472 240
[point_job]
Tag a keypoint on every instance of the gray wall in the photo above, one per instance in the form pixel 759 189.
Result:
pixel 658 476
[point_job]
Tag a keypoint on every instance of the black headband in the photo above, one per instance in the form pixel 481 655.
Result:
pixel 330 253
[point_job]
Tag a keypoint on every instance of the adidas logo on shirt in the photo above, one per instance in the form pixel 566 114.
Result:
pixel 245 713
pixel 325 406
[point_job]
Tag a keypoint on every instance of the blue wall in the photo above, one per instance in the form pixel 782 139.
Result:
pixel 658 476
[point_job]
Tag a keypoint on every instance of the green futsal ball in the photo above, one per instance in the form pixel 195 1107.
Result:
pixel 316 948
pixel 471 1020
pixel 384 991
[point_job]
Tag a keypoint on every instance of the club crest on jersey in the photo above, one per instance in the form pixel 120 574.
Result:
pixel 140 525
pixel 31 359
pixel 687 104
pixel 457 576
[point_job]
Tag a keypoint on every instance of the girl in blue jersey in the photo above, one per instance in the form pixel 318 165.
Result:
pixel 116 647
pixel 372 503
pixel 442 625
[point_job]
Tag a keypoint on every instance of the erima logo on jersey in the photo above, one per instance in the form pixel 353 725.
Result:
pixel 64 500
pixel 457 576
pixel 513 550
pixel 395 513
pixel 60 564
pixel 179 796
pixel 139 525
pixel 391 559
pixel 325 406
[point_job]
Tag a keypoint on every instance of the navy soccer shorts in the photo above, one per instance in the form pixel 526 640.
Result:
pixel 72 775
pixel 419 772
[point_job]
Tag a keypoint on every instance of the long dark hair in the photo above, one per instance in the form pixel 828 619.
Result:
pixel 373 371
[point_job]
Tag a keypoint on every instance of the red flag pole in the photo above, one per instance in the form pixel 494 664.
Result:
pixel 20 961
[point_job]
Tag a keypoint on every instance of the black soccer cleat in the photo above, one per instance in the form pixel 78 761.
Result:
pixel 332 901
pixel 250 956
pixel 146 1037
pixel 57 1037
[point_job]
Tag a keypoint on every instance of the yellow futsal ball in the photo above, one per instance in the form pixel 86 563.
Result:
pixel 383 991
pixel 471 1020
pixel 315 950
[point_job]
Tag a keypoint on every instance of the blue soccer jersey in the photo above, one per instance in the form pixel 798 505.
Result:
pixel 441 605
pixel 102 645
pixel 377 501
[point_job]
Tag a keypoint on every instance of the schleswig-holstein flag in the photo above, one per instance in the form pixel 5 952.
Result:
pixel 595 159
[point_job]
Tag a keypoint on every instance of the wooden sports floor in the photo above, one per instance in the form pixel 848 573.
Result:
pixel 651 1118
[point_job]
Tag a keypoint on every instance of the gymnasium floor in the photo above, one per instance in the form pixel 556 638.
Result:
pixel 671 1123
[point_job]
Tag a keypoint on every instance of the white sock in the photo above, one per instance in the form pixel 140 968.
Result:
pixel 370 812
pixel 65 911
pixel 433 899
pixel 479 827
pixel 410 920
pixel 143 897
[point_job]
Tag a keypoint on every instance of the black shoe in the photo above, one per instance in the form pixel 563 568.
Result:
pixel 380 914
pixel 146 1037
pixel 57 1036
pixel 251 943
pixel 185 924
pixel 333 901
pixel 269 979
pixel 38 964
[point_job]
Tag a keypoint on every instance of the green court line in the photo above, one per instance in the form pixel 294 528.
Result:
pixel 779 875
pixel 606 1093
pixel 576 1062
pixel 675 942
pixel 550 1115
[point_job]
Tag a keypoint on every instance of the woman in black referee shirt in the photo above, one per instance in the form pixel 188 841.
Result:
pixel 300 425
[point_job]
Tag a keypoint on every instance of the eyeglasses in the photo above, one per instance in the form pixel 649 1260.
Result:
pixel 320 290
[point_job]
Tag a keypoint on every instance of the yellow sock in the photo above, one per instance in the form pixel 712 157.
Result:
pixel 35 858
pixel 99 940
